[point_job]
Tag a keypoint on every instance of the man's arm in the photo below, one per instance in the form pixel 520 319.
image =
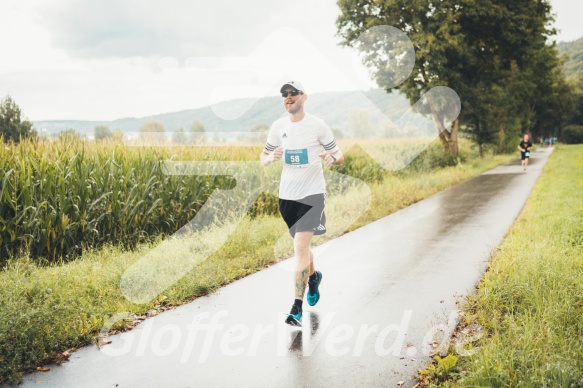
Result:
pixel 332 153
pixel 267 158
pixel 336 157
pixel 272 150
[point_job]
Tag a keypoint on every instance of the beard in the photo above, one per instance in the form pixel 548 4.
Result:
pixel 294 108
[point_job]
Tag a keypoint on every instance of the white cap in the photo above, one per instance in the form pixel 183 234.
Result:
pixel 294 84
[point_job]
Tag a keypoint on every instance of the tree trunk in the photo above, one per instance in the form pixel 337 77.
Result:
pixel 448 138
pixel 502 138
pixel 453 144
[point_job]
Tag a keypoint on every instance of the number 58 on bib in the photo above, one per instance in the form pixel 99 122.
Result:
pixel 296 157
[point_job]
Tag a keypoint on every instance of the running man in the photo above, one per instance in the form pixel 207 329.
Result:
pixel 302 140
pixel 524 147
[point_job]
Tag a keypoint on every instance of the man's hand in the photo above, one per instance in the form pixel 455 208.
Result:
pixel 328 159
pixel 276 155
pixel 267 159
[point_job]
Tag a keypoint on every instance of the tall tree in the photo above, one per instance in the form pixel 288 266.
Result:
pixel 153 132
pixel 198 131
pixel 117 135
pixel 153 126
pixel 13 126
pixel 102 132
pixel 554 98
pixel 179 137
pixel 69 134
pixel 577 115
pixel 466 45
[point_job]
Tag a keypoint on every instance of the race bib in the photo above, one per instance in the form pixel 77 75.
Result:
pixel 527 153
pixel 296 157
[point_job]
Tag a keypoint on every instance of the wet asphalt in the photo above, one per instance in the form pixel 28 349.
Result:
pixel 388 303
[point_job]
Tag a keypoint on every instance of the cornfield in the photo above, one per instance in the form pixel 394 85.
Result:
pixel 59 198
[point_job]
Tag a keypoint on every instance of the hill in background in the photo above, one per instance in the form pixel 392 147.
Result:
pixel 574 52
pixel 341 110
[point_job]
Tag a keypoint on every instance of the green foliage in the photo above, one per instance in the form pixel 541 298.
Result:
pixel 197 126
pixel 197 132
pixel 552 101
pixel 509 81
pixel 153 132
pixel 13 127
pixel 573 52
pixel 358 164
pixel 577 117
pixel 577 114
pixel 102 132
pixel 153 126
pixel 573 134
pixel 266 205
pixel 435 156
pixel 117 135
pixel 179 137
pixel 439 371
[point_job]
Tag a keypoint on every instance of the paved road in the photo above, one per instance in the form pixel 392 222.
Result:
pixel 387 291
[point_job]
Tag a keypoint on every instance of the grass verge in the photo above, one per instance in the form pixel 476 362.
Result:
pixel 47 310
pixel 530 301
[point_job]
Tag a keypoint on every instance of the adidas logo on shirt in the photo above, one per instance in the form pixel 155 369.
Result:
pixel 284 135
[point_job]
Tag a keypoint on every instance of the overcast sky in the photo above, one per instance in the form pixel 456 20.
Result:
pixel 90 60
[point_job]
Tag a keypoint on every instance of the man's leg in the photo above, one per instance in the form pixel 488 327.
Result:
pixel 304 262
pixel 304 258
pixel 311 218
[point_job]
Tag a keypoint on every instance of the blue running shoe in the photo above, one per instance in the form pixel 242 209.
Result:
pixel 313 292
pixel 295 316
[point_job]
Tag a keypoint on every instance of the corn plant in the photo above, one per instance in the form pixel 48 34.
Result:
pixel 58 198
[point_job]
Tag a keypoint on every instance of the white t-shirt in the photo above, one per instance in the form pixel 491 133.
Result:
pixel 302 142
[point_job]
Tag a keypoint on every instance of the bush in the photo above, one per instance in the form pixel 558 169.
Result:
pixel 358 164
pixel 573 134
pixel 435 156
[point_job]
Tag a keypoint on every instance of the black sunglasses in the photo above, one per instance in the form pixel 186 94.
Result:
pixel 292 93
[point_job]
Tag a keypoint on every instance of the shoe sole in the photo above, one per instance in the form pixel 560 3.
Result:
pixel 292 321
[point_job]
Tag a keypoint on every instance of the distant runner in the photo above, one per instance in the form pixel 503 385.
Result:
pixel 300 139
pixel 524 147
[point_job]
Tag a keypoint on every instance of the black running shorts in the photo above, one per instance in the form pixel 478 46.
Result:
pixel 525 155
pixel 304 215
